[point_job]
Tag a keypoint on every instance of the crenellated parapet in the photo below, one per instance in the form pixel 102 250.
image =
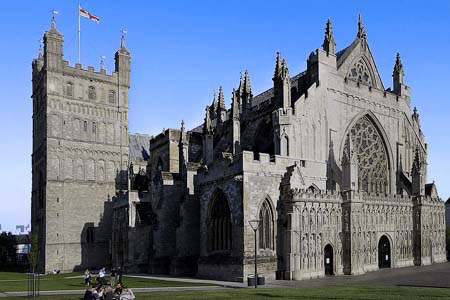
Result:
pixel 320 196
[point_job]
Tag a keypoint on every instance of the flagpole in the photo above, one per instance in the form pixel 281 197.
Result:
pixel 79 34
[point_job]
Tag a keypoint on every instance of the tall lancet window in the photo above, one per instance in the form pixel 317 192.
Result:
pixel 266 231
pixel 219 223
pixel 69 89
pixel 91 93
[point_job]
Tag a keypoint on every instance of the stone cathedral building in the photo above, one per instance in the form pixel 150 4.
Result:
pixel 331 162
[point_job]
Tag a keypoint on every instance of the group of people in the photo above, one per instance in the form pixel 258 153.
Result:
pixel 115 276
pixel 107 290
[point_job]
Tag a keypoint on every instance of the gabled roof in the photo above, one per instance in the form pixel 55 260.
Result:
pixel 431 190
pixel 349 56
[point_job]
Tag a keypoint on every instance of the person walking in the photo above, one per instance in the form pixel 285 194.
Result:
pixel 113 277
pixel 101 276
pixel 119 273
pixel 87 277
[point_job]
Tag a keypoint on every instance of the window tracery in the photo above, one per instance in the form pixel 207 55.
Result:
pixel 371 155
pixel 360 72
pixel 266 227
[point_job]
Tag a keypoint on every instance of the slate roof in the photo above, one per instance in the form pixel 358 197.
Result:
pixel 139 146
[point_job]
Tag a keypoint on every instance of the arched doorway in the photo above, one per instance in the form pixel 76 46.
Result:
pixel 384 253
pixel 328 259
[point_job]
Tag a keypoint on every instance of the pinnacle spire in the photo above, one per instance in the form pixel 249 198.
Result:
pixel 234 105
pixel 416 163
pixel 122 39
pixel 277 66
pixel 398 67
pixel 207 124
pixel 40 52
pixel 214 103
pixel 221 100
pixel 328 42
pixel 397 75
pixel 220 111
pixel 102 62
pixel 247 86
pixel 361 30
pixel 53 23
pixel 182 125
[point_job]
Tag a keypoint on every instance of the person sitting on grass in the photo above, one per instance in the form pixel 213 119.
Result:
pixel 108 293
pixel 87 277
pixel 98 293
pixel 127 294
pixel 89 294
pixel 118 290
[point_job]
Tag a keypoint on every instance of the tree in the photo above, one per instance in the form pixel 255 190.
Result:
pixel 33 254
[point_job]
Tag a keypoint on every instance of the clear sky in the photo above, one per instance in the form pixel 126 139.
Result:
pixel 183 50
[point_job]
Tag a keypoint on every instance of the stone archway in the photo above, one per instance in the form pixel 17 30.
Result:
pixel 328 260
pixel 384 253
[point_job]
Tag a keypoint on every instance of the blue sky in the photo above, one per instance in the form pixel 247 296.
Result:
pixel 183 50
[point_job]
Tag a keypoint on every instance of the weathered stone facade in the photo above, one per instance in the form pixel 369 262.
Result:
pixel 80 146
pixel 331 162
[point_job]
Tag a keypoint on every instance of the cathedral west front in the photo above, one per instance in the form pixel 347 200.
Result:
pixel 331 162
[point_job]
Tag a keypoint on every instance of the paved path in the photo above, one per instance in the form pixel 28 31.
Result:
pixel 437 275
pixel 191 280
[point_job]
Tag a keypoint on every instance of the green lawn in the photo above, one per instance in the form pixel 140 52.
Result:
pixel 332 292
pixel 17 282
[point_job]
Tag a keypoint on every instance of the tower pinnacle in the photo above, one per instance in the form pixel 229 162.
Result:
pixel 234 105
pixel 328 43
pixel 221 100
pixel 220 112
pixel 397 75
pixel 247 87
pixel 361 30
pixel 207 124
pixel 277 66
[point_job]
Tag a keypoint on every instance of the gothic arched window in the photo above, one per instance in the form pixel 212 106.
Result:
pixel 371 153
pixel 112 97
pixel 266 226
pixel 91 93
pixel 69 89
pixel 160 165
pixel 219 223
pixel 285 146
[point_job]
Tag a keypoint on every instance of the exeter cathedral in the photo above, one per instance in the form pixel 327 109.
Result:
pixel 331 162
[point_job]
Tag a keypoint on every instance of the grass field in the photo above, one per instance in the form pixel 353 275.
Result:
pixel 331 292
pixel 17 282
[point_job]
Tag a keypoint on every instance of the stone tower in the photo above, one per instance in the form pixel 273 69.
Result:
pixel 80 152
